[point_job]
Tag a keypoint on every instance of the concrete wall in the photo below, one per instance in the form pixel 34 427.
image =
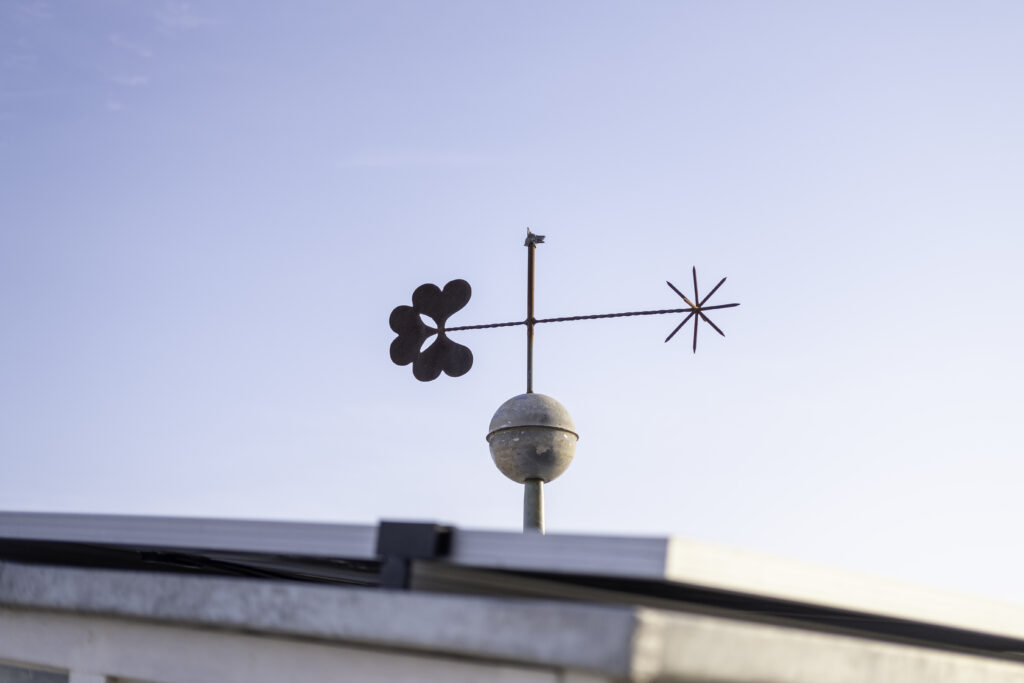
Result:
pixel 103 650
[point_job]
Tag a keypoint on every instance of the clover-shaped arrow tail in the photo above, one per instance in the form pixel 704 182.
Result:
pixel 443 354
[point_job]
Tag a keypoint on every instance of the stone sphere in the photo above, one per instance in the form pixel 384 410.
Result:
pixel 532 436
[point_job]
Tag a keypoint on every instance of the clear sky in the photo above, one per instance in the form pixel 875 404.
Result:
pixel 208 211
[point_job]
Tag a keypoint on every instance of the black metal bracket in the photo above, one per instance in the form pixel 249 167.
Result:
pixel 399 543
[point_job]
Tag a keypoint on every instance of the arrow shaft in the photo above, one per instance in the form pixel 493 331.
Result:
pixel 597 316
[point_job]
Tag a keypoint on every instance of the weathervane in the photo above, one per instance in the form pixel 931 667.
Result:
pixel 532 437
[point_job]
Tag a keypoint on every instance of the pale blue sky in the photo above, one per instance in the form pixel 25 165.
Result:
pixel 208 211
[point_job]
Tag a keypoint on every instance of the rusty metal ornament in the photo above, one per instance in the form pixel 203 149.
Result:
pixel 455 360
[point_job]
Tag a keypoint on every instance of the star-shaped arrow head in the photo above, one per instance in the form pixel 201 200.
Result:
pixel 697 309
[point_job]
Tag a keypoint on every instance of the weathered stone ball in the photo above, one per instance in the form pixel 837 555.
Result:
pixel 532 436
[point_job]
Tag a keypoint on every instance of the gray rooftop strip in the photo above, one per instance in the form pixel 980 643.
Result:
pixel 622 556
pixel 351 541
pixel 565 553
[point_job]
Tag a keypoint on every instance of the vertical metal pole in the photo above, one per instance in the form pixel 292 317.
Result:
pixel 530 320
pixel 533 489
pixel 533 506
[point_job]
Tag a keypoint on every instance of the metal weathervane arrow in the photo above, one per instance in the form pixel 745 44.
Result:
pixel 455 360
